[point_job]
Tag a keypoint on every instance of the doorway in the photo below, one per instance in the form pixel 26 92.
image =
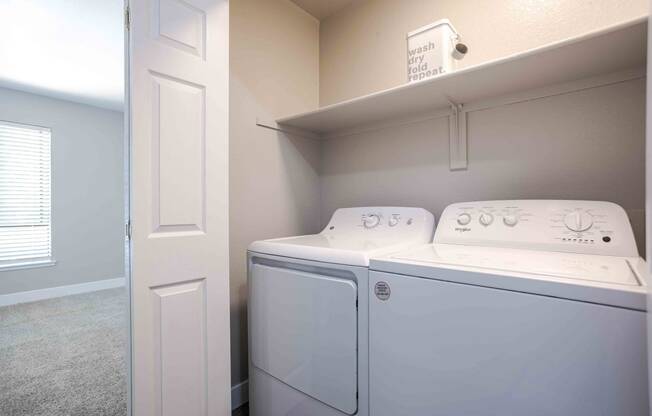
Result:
pixel 64 175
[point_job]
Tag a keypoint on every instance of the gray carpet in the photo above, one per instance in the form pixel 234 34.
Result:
pixel 65 356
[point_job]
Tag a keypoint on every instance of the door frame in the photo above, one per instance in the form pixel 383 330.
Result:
pixel 648 203
pixel 126 119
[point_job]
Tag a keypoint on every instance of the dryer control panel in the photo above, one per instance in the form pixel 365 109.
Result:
pixel 381 221
pixel 589 227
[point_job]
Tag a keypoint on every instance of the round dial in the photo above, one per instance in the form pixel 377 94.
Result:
pixel 578 221
pixel 486 218
pixel 510 220
pixel 393 220
pixel 463 219
pixel 370 221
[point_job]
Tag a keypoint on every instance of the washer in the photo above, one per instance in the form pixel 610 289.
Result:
pixel 517 308
pixel 307 319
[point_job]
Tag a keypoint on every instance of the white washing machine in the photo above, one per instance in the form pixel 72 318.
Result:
pixel 308 311
pixel 518 308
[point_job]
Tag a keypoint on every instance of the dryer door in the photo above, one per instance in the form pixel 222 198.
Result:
pixel 303 332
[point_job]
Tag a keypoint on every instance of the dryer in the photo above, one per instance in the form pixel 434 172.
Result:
pixel 517 308
pixel 308 311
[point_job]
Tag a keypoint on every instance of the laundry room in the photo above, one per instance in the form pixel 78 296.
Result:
pixel 549 104
pixel 325 208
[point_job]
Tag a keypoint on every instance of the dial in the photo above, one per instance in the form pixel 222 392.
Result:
pixel 463 219
pixel 394 220
pixel 578 221
pixel 510 220
pixel 370 221
pixel 486 219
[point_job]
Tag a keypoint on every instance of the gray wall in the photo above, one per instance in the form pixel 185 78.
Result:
pixel 582 145
pixel 274 180
pixel 87 185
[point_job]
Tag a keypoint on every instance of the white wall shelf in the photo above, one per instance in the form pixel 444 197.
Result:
pixel 610 50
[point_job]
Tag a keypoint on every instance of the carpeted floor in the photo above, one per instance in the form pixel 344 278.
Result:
pixel 65 356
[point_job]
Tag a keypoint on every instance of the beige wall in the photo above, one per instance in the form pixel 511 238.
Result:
pixel 582 145
pixel 363 47
pixel 586 144
pixel 274 179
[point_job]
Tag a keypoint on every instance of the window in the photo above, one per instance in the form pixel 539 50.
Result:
pixel 25 213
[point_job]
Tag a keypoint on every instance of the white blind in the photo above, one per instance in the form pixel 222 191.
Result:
pixel 25 234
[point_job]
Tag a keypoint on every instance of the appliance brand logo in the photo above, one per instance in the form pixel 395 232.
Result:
pixel 382 290
pixel 462 229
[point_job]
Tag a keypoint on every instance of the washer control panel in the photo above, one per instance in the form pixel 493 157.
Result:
pixel 590 227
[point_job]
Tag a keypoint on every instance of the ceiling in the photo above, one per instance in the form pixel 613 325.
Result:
pixel 321 9
pixel 69 49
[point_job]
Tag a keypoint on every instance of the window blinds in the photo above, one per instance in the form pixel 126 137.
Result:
pixel 25 229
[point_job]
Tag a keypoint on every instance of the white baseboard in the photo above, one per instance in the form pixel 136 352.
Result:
pixel 239 394
pixel 59 291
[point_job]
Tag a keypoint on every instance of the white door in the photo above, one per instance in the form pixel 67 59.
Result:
pixel 179 208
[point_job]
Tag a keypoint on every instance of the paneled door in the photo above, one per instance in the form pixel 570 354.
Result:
pixel 178 100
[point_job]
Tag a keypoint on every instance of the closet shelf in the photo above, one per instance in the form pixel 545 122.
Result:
pixel 606 51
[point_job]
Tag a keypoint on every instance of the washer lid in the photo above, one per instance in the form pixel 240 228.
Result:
pixel 593 278
pixel 605 269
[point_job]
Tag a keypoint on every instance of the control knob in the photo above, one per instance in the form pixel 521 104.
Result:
pixel 393 220
pixel 370 221
pixel 463 219
pixel 510 220
pixel 486 219
pixel 578 221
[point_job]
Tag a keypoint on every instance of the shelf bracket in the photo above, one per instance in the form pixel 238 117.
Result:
pixel 457 139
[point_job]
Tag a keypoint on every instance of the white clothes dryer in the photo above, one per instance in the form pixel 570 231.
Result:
pixel 518 308
pixel 308 311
